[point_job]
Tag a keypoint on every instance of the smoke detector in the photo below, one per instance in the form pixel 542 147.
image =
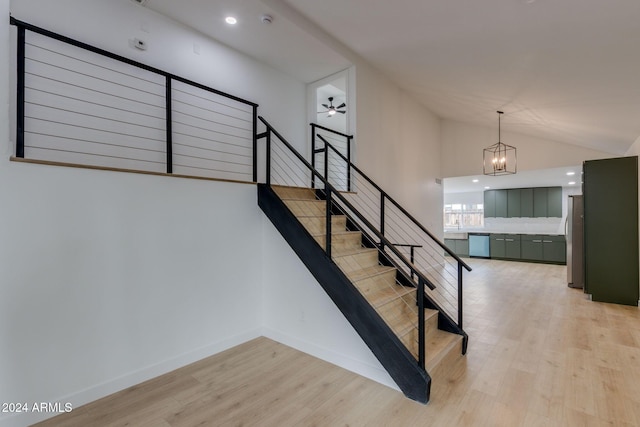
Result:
pixel 140 2
pixel 266 19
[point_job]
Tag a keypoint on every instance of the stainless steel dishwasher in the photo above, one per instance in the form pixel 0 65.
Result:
pixel 479 245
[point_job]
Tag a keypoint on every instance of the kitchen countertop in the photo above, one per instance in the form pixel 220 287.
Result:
pixel 464 234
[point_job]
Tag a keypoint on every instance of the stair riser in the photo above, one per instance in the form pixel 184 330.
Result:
pixel 294 193
pixel 447 363
pixel 401 315
pixel 306 208
pixel 318 225
pixel 342 242
pixel 357 261
pixel 380 289
pixel 411 339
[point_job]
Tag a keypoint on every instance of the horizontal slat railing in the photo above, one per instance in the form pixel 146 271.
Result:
pixel 79 104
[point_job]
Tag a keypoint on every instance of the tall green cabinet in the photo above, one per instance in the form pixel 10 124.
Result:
pixel 611 230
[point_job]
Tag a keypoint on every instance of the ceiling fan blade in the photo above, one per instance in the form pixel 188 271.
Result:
pixel 321 112
pixel 342 105
pixel 325 106
pixel 341 111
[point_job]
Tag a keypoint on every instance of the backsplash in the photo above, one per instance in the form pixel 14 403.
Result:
pixel 516 226
pixel 524 225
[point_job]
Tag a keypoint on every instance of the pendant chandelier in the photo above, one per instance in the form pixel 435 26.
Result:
pixel 499 159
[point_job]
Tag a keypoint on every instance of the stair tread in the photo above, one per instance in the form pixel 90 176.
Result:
pixel 350 252
pixel 338 233
pixel 368 272
pixel 380 297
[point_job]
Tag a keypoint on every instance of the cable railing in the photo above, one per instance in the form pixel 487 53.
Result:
pixel 436 262
pixel 338 172
pixel 286 167
pixel 78 104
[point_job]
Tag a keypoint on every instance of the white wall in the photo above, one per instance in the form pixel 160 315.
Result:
pixel 298 312
pixel 112 278
pixel 109 279
pixel 399 146
pixel 462 146
pixel 170 48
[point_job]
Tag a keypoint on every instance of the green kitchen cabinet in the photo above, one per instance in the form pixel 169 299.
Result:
pixel 540 202
pixel 526 202
pixel 610 195
pixel 496 246
pixel 513 203
pixel 512 246
pixel 501 203
pixel 554 202
pixel 554 249
pixel 459 247
pixel 462 247
pixel 490 204
pixel 531 247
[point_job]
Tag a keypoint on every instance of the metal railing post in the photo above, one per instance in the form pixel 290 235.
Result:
pixel 313 154
pixel 255 143
pixel 20 93
pixel 168 125
pixel 326 163
pixel 349 163
pixel 327 245
pixel 268 162
pixel 460 295
pixel 421 328
pixel 382 197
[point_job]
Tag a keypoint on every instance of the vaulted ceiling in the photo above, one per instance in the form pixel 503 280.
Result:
pixel 564 70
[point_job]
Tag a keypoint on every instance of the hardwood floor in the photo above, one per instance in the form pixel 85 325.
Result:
pixel 540 354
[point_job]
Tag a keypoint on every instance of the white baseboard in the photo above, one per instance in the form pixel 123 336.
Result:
pixel 367 370
pixel 96 392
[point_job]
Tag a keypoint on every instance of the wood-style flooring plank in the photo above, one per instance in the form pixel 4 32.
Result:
pixel 540 354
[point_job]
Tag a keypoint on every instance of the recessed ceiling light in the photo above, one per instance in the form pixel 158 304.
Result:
pixel 572 183
pixel 474 180
pixel 231 20
pixel 571 173
pixel 487 187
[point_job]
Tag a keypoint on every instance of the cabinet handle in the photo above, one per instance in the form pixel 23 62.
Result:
pixel 547 241
pixel 537 241
pixel 509 240
pixel 499 240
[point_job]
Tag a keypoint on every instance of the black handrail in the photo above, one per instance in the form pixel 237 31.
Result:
pixel 331 190
pixel 22 26
pixel 314 127
pixel 385 195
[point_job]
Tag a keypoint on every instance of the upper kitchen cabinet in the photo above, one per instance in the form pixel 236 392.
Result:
pixel 526 202
pixel 513 203
pixel 539 202
pixel 490 204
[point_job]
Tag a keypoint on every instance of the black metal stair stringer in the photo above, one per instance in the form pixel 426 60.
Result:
pixel 414 382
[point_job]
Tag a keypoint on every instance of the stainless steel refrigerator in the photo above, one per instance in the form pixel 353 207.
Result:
pixel 575 241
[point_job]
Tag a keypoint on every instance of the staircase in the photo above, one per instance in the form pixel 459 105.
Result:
pixel 386 298
pixel 378 283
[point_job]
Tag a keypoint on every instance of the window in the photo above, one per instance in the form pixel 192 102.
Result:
pixel 461 215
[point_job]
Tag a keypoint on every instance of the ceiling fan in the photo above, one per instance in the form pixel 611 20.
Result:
pixel 333 110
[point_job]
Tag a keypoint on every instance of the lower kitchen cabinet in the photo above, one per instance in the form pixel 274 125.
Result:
pixel 554 249
pixel 529 247
pixel 459 247
pixel 496 246
pixel 505 246
pixel 512 246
